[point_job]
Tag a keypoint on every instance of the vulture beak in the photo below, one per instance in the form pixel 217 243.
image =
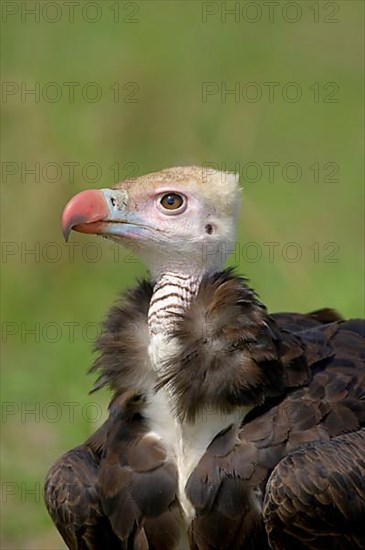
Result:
pixel 101 212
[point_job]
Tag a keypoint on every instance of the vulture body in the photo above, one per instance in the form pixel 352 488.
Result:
pixel 229 428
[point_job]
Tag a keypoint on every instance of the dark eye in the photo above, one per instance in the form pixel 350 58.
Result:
pixel 172 201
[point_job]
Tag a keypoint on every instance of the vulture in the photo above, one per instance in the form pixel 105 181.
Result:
pixel 228 427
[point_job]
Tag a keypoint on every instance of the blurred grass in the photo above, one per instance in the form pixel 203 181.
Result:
pixel 168 53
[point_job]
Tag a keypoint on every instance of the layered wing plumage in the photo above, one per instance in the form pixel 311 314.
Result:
pixel 315 497
pixel 118 490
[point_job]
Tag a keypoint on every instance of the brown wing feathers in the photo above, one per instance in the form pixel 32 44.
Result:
pixel 303 374
pixel 105 493
pixel 73 501
pixel 331 405
pixel 316 496
pixel 135 477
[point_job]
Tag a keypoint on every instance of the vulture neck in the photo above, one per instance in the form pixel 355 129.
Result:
pixel 175 288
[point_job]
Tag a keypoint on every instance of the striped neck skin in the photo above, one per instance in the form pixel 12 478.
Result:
pixel 172 295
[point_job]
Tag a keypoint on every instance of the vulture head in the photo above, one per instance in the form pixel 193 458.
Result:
pixel 183 217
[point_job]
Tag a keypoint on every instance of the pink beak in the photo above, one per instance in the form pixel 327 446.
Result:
pixel 85 212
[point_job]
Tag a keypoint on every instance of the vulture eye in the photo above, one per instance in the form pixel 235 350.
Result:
pixel 172 201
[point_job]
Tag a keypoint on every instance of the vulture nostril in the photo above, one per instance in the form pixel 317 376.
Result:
pixel 113 201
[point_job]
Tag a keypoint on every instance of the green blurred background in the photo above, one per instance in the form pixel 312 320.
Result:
pixel 160 54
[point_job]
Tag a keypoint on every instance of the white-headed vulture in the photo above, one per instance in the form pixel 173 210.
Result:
pixel 229 427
